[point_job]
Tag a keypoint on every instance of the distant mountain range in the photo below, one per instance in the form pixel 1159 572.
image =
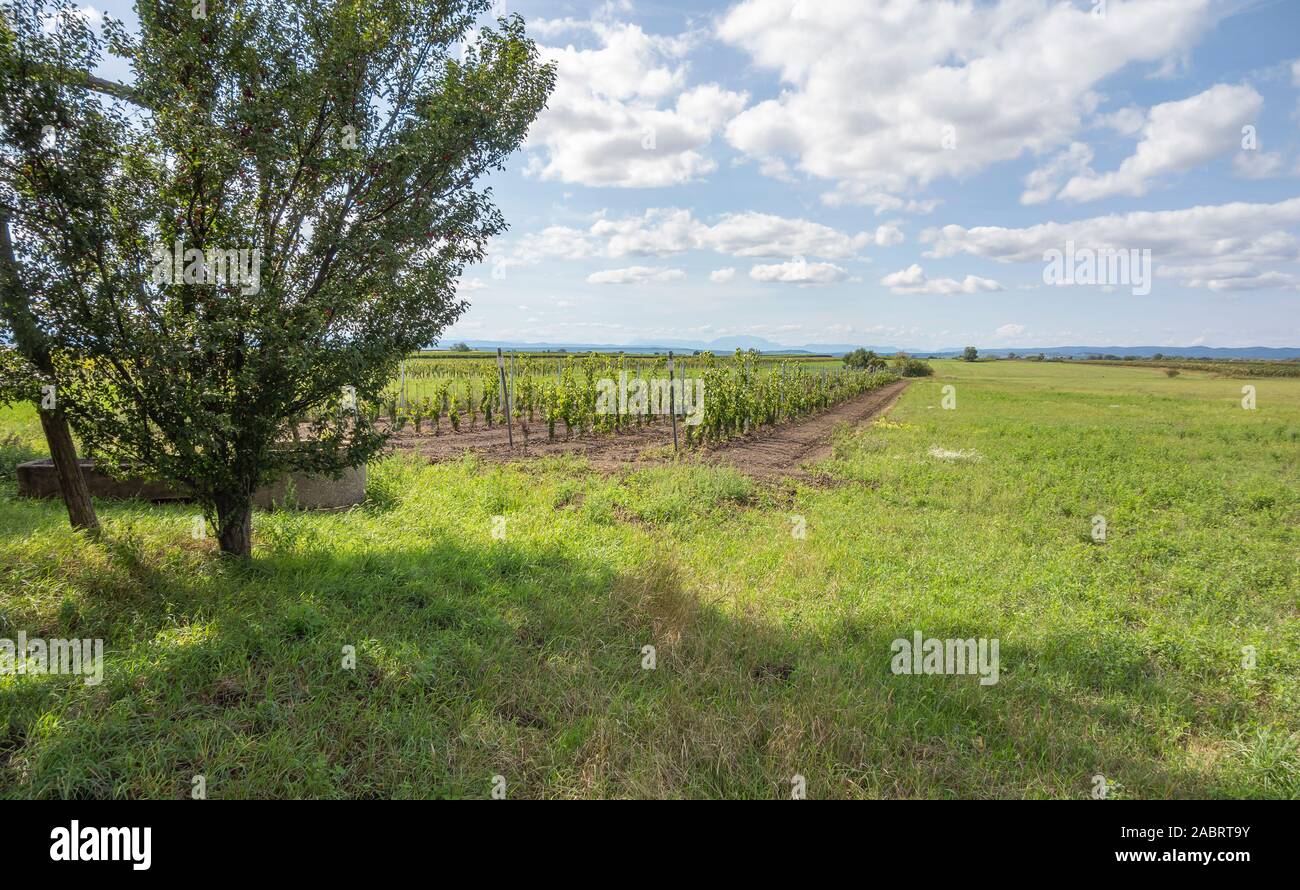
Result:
pixel 730 344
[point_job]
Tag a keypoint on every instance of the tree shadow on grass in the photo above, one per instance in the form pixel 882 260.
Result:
pixel 323 671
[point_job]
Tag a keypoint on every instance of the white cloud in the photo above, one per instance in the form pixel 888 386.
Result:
pixel 1043 183
pixel 721 276
pixel 1010 330
pixel 888 235
pixel 1262 281
pixel 622 113
pixel 881 201
pixel 635 275
pixel 912 280
pixel 657 232
pixel 1295 73
pixel 764 235
pixel 868 89
pixel 1176 137
pixel 51 22
pixel 1126 121
pixel 1230 275
pixel 552 242
pixel 660 232
pixel 799 271
pixel 1225 243
pixel 1258 164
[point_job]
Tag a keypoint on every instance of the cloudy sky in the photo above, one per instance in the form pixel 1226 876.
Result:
pixel 891 173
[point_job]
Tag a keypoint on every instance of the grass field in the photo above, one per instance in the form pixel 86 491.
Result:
pixel 522 657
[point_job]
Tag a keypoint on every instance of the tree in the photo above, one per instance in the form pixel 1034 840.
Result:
pixel 257 229
pixel 461 347
pixel 970 354
pixel 864 359
pixel 29 368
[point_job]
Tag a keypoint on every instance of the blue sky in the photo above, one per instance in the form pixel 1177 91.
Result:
pixel 892 172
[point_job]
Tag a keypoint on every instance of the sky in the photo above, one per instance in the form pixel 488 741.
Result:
pixel 898 172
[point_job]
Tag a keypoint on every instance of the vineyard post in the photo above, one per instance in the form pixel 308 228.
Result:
pixel 401 400
pixel 672 401
pixel 505 395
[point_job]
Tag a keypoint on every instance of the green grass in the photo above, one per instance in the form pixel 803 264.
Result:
pixel 522 657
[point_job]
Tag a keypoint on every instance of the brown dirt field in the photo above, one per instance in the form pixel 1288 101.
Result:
pixel 768 453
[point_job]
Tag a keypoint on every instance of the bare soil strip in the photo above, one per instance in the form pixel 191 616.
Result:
pixel 787 449
pixel 768 453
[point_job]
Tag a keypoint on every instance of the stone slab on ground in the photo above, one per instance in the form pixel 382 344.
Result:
pixel 38 479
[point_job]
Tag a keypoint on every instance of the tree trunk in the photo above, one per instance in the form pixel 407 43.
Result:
pixel 235 526
pixel 31 344
pixel 72 482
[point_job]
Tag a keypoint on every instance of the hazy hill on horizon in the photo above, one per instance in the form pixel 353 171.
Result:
pixel 732 343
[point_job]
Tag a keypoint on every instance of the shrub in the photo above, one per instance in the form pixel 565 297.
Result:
pixel 914 367
pixel 864 360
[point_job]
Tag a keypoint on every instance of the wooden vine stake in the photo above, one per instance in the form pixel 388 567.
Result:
pixel 505 397
pixel 672 399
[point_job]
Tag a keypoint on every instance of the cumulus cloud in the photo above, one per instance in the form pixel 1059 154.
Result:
pixel 1177 136
pixel 888 235
pixel 1043 183
pixel 635 275
pixel 552 242
pixel 622 113
pixel 1230 275
pixel 1221 247
pixel 1126 121
pixel 1010 330
pixel 660 232
pixel 880 99
pixel 1258 164
pixel 764 235
pixel 721 276
pixel 912 280
pixel 1261 281
pixel 52 22
pixel 799 271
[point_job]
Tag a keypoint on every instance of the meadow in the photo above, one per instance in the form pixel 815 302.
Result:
pixel 498 615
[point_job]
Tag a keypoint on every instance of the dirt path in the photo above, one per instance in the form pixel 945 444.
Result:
pixel 766 454
pixel 784 451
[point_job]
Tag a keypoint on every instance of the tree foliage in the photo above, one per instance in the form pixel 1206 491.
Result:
pixel 338 144
pixel 905 366
pixel 864 360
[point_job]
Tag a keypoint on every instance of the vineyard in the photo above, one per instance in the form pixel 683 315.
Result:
pixel 563 394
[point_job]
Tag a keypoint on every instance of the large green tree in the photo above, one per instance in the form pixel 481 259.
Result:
pixel 268 215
